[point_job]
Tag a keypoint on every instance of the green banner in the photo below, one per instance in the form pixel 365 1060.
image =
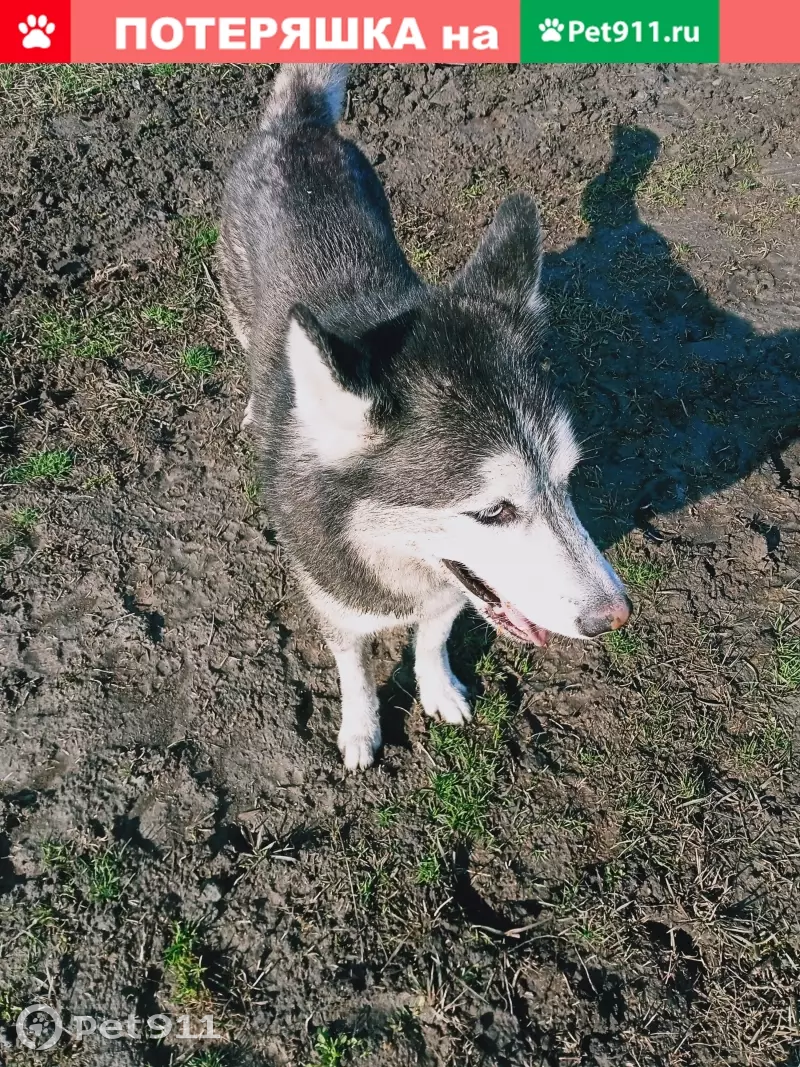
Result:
pixel 620 31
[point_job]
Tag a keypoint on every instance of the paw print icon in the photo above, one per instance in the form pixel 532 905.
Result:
pixel 39 1027
pixel 551 29
pixel 36 32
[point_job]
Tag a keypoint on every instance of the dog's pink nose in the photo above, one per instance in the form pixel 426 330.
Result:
pixel 610 616
pixel 620 613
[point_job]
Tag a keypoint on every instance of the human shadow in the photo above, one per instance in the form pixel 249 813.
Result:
pixel 675 397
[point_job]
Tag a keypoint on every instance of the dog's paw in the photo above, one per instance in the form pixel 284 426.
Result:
pixel 358 750
pixel 446 699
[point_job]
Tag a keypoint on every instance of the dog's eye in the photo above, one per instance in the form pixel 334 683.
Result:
pixel 498 515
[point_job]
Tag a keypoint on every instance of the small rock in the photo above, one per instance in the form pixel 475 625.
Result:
pixel 448 96
pixel 211 893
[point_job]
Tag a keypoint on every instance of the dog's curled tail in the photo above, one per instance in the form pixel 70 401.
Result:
pixel 308 92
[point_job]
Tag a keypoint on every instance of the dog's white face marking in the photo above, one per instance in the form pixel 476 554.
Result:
pixel 331 420
pixel 541 564
pixel 566 452
pixel 535 302
pixel 562 452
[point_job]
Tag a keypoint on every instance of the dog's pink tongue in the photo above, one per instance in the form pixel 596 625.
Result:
pixel 535 634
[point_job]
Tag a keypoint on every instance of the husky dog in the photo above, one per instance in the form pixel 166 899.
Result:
pixel 414 461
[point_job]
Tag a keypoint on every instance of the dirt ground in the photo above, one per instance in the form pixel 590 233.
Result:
pixel 604 869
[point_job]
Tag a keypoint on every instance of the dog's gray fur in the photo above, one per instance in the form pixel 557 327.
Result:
pixel 381 405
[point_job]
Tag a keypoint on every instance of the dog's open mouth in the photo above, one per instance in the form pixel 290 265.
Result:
pixel 504 616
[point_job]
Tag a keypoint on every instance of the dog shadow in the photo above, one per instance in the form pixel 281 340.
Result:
pixel 471 637
pixel 675 397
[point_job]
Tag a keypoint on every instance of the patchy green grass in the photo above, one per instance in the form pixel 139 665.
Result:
pixel 489 667
pixel 42 921
pixel 669 181
pixel 429 870
pixel 209 1058
pixel 494 710
pixel 420 258
pixel 84 336
pixel 57 856
pixel 48 464
pixel 102 876
pixel 183 965
pixel 388 814
pixel 163 317
pixel 21 521
pixel 477 187
pixel 97 481
pixel 164 71
pixel 638 571
pixel 638 811
pixel 767 745
pixel 521 662
pixel 199 359
pixel 35 88
pixel 96 877
pixel 418 233
pixel 463 785
pixel 688 787
pixel 682 252
pixel 403 1025
pixel 251 488
pixel 460 792
pixel 198 238
pixel 333 1050
pixel 11 1004
pixel 24 519
pixel 590 757
pixel 623 646
pixel 787 654
pixel 57 333
pixel 671 178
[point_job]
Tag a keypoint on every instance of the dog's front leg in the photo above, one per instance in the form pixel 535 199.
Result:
pixel 441 694
pixel 360 733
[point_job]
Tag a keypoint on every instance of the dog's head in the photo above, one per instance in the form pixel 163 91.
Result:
pixel 454 454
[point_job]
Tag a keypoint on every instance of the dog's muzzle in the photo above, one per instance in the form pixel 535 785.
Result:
pixel 504 617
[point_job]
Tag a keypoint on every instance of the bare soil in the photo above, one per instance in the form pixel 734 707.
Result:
pixel 605 868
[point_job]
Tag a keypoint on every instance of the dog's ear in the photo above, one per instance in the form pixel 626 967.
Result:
pixel 331 404
pixel 507 264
